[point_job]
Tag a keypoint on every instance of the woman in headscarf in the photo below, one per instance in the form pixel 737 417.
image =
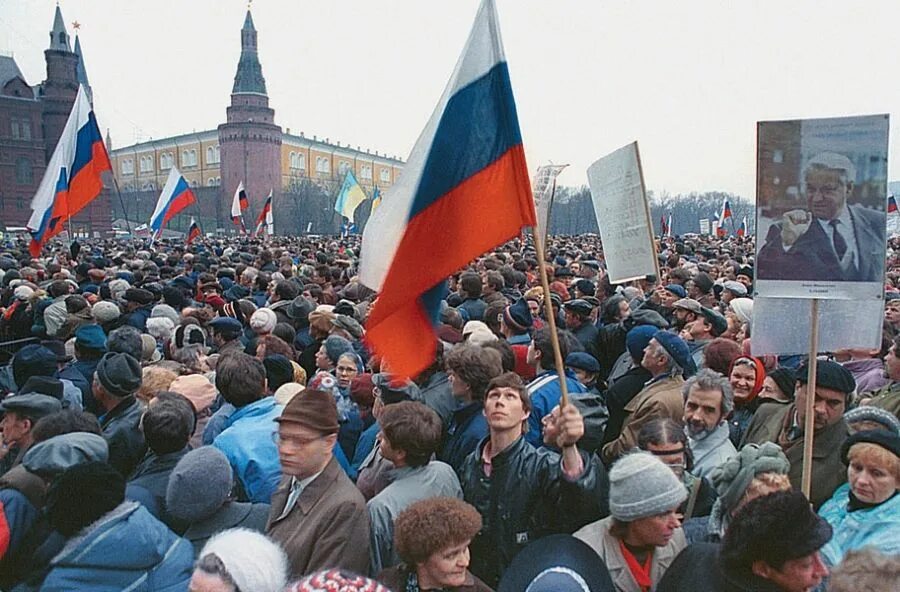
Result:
pixel 746 376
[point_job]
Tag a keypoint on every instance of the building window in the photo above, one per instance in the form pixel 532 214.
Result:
pixel 218 181
pixel 148 186
pixel 166 160
pixel 24 172
pixel 20 203
pixel 127 166
pixel 292 160
pixel 297 160
pixel 211 182
pixel 21 129
pixel 146 164
pixel 189 158
pixel 365 172
pixel 385 175
pixel 778 156
pixel 323 165
pixel 212 155
pixel 193 183
pixel 343 167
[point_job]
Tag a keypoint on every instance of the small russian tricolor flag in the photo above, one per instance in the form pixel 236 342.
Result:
pixel 194 231
pixel 892 204
pixel 175 197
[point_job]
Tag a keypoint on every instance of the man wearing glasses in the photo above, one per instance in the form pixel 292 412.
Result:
pixel 832 240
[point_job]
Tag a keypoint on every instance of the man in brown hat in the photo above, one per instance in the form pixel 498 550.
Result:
pixel 318 516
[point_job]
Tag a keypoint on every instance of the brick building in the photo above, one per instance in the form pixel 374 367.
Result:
pixel 250 147
pixel 32 119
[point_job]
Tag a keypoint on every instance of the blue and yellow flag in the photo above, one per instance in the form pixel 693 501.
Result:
pixel 376 199
pixel 350 196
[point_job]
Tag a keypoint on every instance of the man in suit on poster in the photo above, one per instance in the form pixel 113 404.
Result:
pixel 833 240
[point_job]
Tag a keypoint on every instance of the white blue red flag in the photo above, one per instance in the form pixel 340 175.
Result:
pixel 464 190
pixel 238 205
pixel 726 212
pixel 176 195
pixel 265 220
pixel 892 204
pixel 194 231
pixel 73 176
pixel 742 231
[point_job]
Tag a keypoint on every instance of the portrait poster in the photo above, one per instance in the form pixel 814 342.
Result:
pixel 821 198
pixel 704 225
pixel 620 204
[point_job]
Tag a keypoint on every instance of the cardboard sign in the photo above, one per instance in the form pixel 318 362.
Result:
pixel 620 204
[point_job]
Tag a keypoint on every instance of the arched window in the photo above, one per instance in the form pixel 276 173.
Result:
pixel 24 172
pixel 292 159
pixel 193 158
pixel 193 183
pixel 301 161
pixel 218 154
pixel 210 154
pixel 148 186
pixel 365 172
pixel 385 175
pixel 218 181
pixel 343 167
pixel 211 182
pixel 185 158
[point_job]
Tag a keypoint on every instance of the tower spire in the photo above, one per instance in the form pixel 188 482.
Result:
pixel 81 71
pixel 59 37
pixel 249 77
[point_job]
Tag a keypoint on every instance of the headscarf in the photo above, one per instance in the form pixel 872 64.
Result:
pixel 760 377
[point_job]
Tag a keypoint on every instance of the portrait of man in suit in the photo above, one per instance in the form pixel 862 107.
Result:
pixel 831 240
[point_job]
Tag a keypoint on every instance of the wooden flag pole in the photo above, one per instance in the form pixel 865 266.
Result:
pixel 551 320
pixel 809 423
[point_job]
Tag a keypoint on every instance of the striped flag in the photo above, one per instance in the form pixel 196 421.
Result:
pixel 742 231
pixel 72 178
pixel 465 189
pixel 238 205
pixel 194 231
pixel 265 221
pixel 176 195
pixel 663 226
pixel 892 204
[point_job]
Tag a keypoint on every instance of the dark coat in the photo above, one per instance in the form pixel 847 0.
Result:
pixel 327 527
pixel 122 431
pixel 525 498
pixel 395 579
pixel 231 515
pixel 619 395
pixel 152 476
pixel 138 318
pixel 468 427
pixel 474 307
pixel 812 257
pixel 828 471
pixel 698 568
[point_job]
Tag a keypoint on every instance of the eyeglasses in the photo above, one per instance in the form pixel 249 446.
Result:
pixel 293 441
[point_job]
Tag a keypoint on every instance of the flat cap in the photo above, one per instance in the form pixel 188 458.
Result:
pixel 578 306
pixel 583 361
pixel 226 324
pixel 689 304
pixel 31 404
pixel 830 375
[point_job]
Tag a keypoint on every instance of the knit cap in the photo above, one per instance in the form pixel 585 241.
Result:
pixel 732 478
pixel 199 485
pixel 253 561
pixel 105 311
pixel 641 485
pixel 335 580
pixel 884 418
pixel 165 311
pixel 197 389
pixel 119 373
pixel 263 321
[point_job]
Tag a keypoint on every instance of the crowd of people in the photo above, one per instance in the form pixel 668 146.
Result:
pixel 209 417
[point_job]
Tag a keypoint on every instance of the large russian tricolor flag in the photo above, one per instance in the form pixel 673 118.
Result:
pixel 72 179
pixel 176 195
pixel 238 205
pixel 464 190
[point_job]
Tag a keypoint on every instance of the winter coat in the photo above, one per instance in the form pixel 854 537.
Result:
pixel 397 578
pixel 878 527
pixel 149 481
pixel 248 444
pixel 598 537
pixel 698 568
pixel 868 373
pixel 327 527
pixel 545 393
pixel 230 515
pixel 125 549
pixel 712 451
pixel 887 398
pixel 122 431
pixel 526 497
pixel 620 394
pixel 436 394
pixel 468 427
pixel 828 470
pixel 661 398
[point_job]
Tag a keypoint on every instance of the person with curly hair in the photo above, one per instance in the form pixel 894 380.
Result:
pixel 432 538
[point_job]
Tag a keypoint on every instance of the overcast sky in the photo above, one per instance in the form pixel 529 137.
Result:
pixel 688 80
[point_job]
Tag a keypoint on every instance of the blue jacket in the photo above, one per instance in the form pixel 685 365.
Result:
pixel 138 318
pixel 468 427
pixel 878 527
pixel 545 394
pixel 247 442
pixel 126 549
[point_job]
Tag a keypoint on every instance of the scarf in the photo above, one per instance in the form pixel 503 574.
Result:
pixel 640 572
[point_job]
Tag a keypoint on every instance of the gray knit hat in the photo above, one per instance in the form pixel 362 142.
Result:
pixel 641 485
pixel 199 485
pixel 875 415
pixel 732 478
pixel 105 311
pixel 119 373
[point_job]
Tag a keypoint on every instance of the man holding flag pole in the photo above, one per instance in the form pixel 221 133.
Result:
pixel 466 184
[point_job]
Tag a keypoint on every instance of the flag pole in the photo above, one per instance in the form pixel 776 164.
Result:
pixel 809 423
pixel 551 319
pixel 121 203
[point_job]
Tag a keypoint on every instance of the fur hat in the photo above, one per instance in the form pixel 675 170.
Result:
pixel 199 485
pixel 641 485
pixel 252 560
pixel 263 321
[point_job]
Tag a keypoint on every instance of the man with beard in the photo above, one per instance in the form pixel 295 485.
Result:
pixel 708 399
pixel 684 312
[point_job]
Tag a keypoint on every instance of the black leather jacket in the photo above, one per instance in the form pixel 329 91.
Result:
pixel 527 497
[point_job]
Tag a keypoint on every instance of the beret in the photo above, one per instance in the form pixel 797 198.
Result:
pixel 677 290
pixel 578 306
pixel 226 323
pixel 90 337
pixel 830 375
pixel 678 349
pixel 583 361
